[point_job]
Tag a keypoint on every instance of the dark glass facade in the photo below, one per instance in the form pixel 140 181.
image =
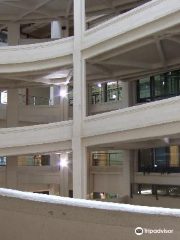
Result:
pixel 163 159
pixel 158 87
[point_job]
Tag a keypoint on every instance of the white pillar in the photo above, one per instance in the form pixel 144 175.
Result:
pixel 13 34
pixel 12 114
pixel 127 159
pixel 65 28
pixel 54 95
pixel 64 184
pixel 126 94
pixel 56 32
pixel 79 105
pixel 12 172
pixel 54 189
pixel 56 29
pixel 64 103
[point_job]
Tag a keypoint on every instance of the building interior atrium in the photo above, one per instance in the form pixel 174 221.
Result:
pixel 90 99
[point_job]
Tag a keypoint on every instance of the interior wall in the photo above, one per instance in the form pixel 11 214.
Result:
pixel 109 183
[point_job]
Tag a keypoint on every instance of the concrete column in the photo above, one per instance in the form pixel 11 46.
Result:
pixel 65 28
pixel 54 189
pixel 56 29
pixel 126 94
pixel 13 34
pixel 56 32
pixel 90 177
pixel 103 87
pixel 12 172
pixel 64 184
pixel 79 105
pixel 54 95
pixel 127 159
pixel 64 103
pixel 12 114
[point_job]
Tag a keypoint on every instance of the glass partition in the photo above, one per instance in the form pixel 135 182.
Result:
pixel 163 160
pixel 158 87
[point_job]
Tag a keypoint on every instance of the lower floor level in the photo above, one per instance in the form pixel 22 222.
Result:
pixel 147 176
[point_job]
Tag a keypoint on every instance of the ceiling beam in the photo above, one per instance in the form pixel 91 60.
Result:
pixel 122 50
pixel 69 8
pixel 173 39
pixel 105 71
pixel 161 52
pixel 128 63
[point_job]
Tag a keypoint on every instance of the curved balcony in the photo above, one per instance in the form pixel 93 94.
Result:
pixel 36 57
pixel 154 120
pixel 35 139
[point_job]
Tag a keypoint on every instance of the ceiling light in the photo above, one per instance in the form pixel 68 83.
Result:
pixel 63 93
pixel 63 162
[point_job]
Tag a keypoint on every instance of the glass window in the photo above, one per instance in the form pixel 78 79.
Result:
pixel 174 191
pixel 113 91
pixel 159 86
pixel 146 157
pixel 162 190
pixel 2 161
pixel 160 157
pixel 96 93
pixel 144 88
pixel 174 156
pixel 4 97
pixel 146 189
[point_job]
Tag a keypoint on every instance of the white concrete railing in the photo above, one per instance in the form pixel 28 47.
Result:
pixel 36 139
pixel 35 57
pixel 38 134
pixel 143 117
pixel 33 178
pixel 35 114
pixel 130 124
pixel 58 53
pixel 50 217
pixel 105 107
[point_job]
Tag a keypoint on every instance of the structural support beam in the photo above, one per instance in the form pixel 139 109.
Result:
pixel 161 52
pixel 64 102
pixel 13 34
pixel 79 105
pixel 127 175
pixel 69 7
pixel 12 115
pixel 100 69
pixel 54 189
pixel 128 63
pixel 64 184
